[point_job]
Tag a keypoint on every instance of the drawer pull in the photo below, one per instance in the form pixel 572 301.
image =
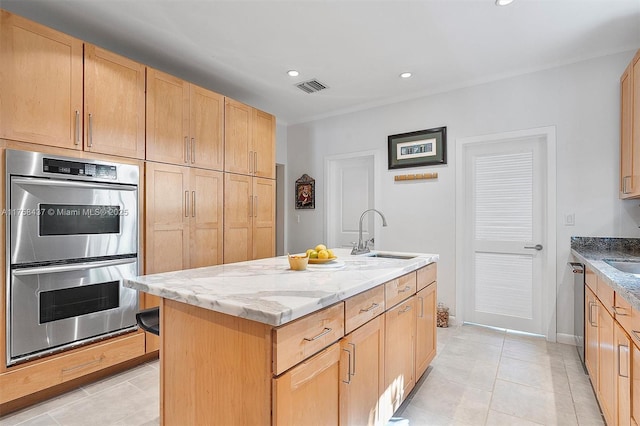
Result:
pixel 326 330
pixel 406 288
pixel 348 381
pixel 354 359
pixel 370 308
pixel 636 335
pixel 626 376
pixel 615 311
pixel 406 309
pixel 86 364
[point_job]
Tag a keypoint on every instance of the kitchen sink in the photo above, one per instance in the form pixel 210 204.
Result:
pixel 625 265
pixel 390 256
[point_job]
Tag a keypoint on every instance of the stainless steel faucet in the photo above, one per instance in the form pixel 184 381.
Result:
pixel 363 246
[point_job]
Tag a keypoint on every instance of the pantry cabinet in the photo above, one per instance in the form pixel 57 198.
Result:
pixel 630 130
pixel 249 140
pixel 184 122
pixel 42 78
pixel 249 218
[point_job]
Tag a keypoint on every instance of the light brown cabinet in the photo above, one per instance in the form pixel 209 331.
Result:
pixel 426 338
pixel 622 369
pixel 591 335
pixel 249 146
pixel 606 388
pixel 630 130
pixel 249 218
pixel 634 398
pixel 184 122
pixel 43 77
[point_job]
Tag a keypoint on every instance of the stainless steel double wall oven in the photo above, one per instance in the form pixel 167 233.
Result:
pixel 72 238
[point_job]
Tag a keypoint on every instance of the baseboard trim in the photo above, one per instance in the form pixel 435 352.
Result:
pixel 567 339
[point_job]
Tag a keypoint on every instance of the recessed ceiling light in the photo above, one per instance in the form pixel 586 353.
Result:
pixel 293 73
pixel 405 75
pixel 503 2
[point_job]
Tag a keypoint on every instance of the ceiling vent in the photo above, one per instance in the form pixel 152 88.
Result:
pixel 311 86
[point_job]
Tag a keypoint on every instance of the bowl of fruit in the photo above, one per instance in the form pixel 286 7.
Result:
pixel 320 254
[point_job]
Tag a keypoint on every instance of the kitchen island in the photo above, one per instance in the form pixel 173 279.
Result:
pixel 257 343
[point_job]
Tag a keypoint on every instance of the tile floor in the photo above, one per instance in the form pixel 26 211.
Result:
pixel 481 376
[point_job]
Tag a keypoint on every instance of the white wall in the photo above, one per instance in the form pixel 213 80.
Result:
pixel 581 100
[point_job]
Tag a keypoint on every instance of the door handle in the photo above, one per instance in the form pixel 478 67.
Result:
pixel 536 247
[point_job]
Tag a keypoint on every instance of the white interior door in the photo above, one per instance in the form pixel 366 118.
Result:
pixel 350 191
pixel 505 233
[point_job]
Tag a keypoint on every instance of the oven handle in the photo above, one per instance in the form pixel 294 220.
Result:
pixel 72 184
pixel 72 267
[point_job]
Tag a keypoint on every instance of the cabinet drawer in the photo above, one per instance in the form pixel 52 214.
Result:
pixel 427 275
pixel 21 381
pixel 606 294
pixel 395 291
pixel 591 279
pixel 363 307
pixel 304 337
pixel 624 314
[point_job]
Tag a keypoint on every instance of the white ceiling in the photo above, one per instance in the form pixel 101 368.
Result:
pixel 358 48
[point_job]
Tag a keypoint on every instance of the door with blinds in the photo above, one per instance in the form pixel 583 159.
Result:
pixel 505 233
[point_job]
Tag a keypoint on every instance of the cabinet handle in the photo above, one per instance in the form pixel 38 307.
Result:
pixel 619 362
pixel 255 206
pixel 421 307
pixel 591 306
pixel 186 150
pixel 86 364
pixel 353 373
pixel 348 381
pixel 406 309
pixel 618 314
pixel 193 150
pixel 370 308
pixel 77 128
pixel 90 141
pixel 406 288
pixel 636 335
pixel 624 184
pixel 186 203
pixel 250 161
pixel 325 331
pixel 193 203
pixel 250 206
pixel 255 162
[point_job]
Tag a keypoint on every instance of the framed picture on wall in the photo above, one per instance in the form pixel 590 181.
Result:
pixel 305 192
pixel 417 149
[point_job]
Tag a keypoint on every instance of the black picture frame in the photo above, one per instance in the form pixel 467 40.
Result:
pixel 305 192
pixel 418 149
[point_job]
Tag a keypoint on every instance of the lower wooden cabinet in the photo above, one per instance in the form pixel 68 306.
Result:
pixel 399 355
pixel 607 375
pixel 591 335
pixel 362 374
pixel 622 349
pixel 634 401
pixel 426 338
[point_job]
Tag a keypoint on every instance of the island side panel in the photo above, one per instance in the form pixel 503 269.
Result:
pixel 214 368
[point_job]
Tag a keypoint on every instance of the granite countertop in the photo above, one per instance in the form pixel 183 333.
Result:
pixel 592 252
pixel 267 291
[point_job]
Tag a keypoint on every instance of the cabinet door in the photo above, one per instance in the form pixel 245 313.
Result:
pixel 426 338
pixel 591 335
pixel 238 137
pixel 264 145
pixel 41 84
pixel 206 125
pixel 264 218
pixel 622 348
pixel 238 218
pixel 114 104
pixel 308 394
pixel 167 118
pixel 399 355
pixel 635 385
pixel 362 374
pixel 626 146
pixel 206 212
pixel 607 373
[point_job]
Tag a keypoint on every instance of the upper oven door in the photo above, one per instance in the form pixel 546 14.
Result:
pixel 56 219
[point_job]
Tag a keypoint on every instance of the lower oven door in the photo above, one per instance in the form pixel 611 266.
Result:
pixel 54 307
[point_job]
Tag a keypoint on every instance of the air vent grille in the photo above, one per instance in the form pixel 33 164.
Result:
pixel 311 86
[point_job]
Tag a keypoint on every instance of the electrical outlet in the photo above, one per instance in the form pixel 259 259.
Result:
pixel 570 219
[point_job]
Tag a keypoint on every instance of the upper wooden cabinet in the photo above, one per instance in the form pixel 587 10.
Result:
pixel 114 104
pixel 42 85
pixel 249 146
pixel 630 130
pixel 184 122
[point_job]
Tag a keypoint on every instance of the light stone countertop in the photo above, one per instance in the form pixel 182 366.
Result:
pixel 268 291
pixel 593 250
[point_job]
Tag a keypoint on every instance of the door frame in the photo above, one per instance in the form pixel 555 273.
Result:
pixel 549 276
pixel 329 161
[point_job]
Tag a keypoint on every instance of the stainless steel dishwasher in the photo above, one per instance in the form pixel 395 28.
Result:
pixel 578 307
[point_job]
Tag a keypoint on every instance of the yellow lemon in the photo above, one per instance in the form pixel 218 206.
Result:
pixel 309 251
pixel 321 247
pixel 331 254
pixel 323 254
pixel 313 255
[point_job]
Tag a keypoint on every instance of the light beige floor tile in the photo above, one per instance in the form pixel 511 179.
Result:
pixel 546 377
pixel 42 408
pixel 496 418
pixel 533 404
pixel 42 420
pixel 148 382
pixel 534 351
pixel 119 378
pixel 462 347
pixel 481 335
pixel 466 370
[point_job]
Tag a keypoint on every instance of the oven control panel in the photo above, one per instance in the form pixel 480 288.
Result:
pixel 75 168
